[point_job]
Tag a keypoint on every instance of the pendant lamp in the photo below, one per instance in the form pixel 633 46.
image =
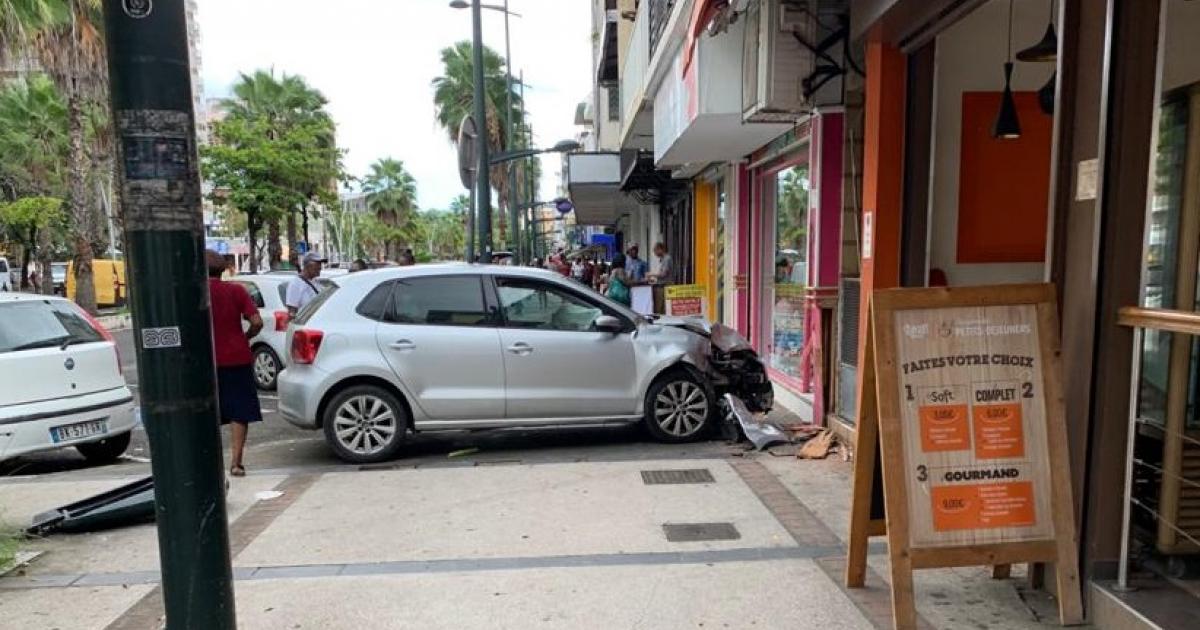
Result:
pixel 1007 125
pixel 1046 95
pixel 1045 50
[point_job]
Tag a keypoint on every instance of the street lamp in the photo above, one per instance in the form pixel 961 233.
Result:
pixel 476 7
pixel 562 146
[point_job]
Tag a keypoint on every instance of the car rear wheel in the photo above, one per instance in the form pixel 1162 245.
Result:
pixel 365 424
pixel 266 368
pixel 105 451
pixel 678 408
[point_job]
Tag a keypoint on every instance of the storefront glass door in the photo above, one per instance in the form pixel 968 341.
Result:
pixel 785 197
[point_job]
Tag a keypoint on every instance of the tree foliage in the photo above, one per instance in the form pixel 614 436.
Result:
pixel 392 198
pixel 274 154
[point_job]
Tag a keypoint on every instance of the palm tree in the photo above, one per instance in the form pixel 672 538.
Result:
pixel 66 38
pixel 283 103
pixel 392 197
pixel 33 148
pixel 453 99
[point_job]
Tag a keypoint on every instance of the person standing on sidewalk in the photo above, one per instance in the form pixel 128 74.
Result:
pixel 236 393
pixel 301 290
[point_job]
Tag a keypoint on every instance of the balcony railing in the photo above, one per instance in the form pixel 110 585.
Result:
pixel 660 15
pixel 633 74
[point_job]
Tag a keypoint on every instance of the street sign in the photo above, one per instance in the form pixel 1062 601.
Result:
pixel 967 406
pixel 467 151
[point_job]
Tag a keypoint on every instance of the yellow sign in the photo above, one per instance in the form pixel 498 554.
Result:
pixel 686 299
pixel 680 291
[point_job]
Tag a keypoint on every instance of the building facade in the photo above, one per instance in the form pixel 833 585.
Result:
pixel 864 150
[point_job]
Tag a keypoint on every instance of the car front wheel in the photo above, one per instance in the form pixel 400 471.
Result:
pixel 678 408
pixel 365 424
pixel 105 451
pixel 266 368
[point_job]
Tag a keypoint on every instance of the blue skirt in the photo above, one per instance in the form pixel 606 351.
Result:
pixel 237 395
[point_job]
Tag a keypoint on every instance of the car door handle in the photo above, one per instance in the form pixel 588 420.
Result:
pixel 402 344
pixel 520 348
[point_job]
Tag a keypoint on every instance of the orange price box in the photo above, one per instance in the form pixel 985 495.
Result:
pixel 944 428
pixel 983 506
pixel 999 433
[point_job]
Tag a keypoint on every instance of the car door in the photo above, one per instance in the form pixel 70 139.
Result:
pixel 555 364
pixel 441 341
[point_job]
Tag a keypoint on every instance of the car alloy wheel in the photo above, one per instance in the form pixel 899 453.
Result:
pixel 365 425
pixel 681 408
pixel 266 368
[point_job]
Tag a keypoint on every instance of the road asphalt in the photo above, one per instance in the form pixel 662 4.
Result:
pixel 275 444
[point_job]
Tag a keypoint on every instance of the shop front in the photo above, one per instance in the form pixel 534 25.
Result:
pixel 794 207
pixel 1056 141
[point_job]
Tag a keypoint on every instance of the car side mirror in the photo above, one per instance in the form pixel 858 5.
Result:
pixel 608 324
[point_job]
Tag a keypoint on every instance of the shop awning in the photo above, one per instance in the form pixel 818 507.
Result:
pixel 593 182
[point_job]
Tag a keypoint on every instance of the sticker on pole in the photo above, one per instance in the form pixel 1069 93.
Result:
pixel 137 9
pixel 164 337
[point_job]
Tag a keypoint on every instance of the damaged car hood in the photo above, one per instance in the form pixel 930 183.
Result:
pixel 723 337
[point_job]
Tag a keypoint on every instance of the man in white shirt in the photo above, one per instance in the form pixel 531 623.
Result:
pixel 662 269
pixel 301 290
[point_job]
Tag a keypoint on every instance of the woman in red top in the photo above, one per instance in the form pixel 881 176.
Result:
pixel 236 393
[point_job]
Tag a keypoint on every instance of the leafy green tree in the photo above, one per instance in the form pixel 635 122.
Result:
pixel 392 197
pixel 273 155
pixel 33 152
pixel 34 222
pixel 66 37
pixel 287 106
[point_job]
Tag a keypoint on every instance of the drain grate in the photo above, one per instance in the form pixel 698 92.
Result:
pixel 696 532
pixel 693 475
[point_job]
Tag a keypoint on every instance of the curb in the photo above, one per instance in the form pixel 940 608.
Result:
pixel 115 322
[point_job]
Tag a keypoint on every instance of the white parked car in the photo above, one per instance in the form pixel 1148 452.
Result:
pixel 6 281
pixel 268 291
pixel 382 354
pixel 62 381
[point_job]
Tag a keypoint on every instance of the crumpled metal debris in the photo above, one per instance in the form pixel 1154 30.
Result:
pixel 757 429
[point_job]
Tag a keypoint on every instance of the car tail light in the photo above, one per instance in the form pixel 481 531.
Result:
pixel 281 320
pixel 105 334
pixel 305 344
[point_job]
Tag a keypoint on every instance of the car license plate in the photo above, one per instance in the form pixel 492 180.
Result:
pixel 79 430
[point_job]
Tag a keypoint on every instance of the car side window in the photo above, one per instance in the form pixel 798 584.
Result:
pixel 439 301
pixel 375 305
pixel 282 288
pixel 533 304
pixel 255 293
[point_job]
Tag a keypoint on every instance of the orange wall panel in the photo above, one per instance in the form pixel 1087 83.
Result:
pixel 1003 185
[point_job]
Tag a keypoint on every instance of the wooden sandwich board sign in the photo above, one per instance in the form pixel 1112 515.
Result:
pixel 962 404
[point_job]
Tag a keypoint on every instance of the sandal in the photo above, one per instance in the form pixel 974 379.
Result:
pixel 237 471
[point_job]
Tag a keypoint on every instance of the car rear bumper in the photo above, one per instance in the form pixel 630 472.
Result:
pixel 28 428
pixel 299 396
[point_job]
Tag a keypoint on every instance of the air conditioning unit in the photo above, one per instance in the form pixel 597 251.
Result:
pixel 774 61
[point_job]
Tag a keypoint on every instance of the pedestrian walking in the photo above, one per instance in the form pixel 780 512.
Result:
pixel 302 289
pixel 236 394
pixel 619 282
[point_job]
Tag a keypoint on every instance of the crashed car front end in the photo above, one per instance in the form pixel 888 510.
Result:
pixel 732 366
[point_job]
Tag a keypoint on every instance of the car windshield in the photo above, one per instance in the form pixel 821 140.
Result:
pixel 43 324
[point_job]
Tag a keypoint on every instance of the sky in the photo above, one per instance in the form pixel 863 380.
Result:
pixel 374 60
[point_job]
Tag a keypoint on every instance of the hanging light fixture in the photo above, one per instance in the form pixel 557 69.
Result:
pixel 1045 50
pixel 1046 95
pixel 1007 125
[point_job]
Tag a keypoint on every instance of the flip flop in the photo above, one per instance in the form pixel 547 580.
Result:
pixel 237 471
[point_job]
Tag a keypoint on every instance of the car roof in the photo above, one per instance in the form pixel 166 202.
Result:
pixel 7 297
pixel 443 269
pixel 262 277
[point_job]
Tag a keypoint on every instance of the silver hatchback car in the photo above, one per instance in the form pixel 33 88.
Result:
pixel 381 354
